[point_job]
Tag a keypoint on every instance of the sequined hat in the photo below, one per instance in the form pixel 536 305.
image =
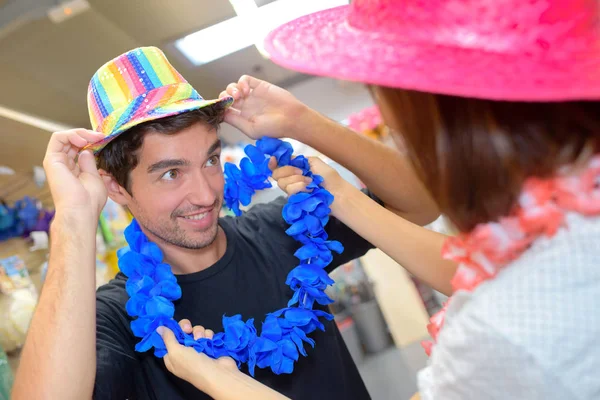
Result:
pixel 139 86
pixel 520 50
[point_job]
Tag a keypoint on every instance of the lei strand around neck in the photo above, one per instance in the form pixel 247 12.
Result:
pixel 152 286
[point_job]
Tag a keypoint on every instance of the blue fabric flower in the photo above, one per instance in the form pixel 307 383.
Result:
pixel 309 281
pixel 282 151
pixel 302 204
pixel 302 318
pixel 152 287
pixel 239 337
pixel 318 251
pixel 274 348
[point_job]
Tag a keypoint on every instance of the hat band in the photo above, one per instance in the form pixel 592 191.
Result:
pixel 147 103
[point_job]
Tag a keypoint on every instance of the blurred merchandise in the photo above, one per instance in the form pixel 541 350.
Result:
pixel 349 333
pixel 13 275
pixel 6 376
pixel 368 122
pixel 17 310
pixel 113 221
pixel 233 154
pixel 22 218
pixel 17 303
pixel 40 240
pixel 428 296
pixel 4 170
pixel 104 272
pixel 371 326
pixel 357 311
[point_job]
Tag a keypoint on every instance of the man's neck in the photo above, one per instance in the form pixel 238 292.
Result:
pixel 187 261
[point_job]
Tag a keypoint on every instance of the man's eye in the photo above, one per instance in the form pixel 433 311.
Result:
pixel 213 161
pixel 170 175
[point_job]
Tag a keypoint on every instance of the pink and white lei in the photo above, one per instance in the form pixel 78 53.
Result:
pixel 540 211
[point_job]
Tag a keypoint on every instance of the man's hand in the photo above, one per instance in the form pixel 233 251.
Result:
pixel 262 109
pixel 65 317
pixel 73 178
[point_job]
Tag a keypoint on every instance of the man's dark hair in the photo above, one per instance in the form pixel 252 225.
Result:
pixel 120 156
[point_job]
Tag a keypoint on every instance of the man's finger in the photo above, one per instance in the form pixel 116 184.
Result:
pixel 186 325
pixel 208 333
pixel 87 163
pixel 74 137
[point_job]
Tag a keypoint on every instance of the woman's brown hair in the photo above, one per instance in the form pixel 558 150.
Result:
pixel 474 155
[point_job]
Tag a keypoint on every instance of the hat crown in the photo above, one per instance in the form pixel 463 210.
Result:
pixel 507 26
pixel 128 78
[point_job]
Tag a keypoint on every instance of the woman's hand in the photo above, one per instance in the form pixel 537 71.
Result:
pixel 261 109
pixel 196 368
pixel 220 379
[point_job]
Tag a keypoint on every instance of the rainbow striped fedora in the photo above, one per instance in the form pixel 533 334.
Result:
pixel 139 86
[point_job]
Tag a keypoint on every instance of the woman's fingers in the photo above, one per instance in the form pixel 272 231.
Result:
pixel 186 325
pixel 199 332
pixel 292 184
pixel 284 172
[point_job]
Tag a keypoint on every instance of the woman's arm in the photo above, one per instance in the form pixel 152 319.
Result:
pixel 220 379
pixel 235 385
pixel 415 248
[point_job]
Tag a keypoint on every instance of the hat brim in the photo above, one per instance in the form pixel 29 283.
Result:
pixel 325 44
pixel 168 110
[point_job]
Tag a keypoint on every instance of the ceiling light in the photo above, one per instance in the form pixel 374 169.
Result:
pixel 250 26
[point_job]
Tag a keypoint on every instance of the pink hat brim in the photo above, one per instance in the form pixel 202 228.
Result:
pixel 159 113
pixel 325 44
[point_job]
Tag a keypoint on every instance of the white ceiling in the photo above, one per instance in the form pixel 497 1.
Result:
pixel 45 67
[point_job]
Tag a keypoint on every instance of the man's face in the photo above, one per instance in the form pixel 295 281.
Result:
pixel 177 187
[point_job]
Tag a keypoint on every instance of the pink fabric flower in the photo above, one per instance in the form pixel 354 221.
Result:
pixel 581 193
pixel 537 210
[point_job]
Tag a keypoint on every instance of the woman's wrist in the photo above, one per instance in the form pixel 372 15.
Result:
pixel 227 384
pixel 344 193
pixel 218 382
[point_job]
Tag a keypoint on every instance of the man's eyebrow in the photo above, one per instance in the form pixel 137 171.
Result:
pixel 169 163
pixel 216 145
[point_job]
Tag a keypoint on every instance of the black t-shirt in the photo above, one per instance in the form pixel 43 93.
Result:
pixel 248 280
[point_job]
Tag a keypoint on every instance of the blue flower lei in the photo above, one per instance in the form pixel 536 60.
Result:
pixel 153 288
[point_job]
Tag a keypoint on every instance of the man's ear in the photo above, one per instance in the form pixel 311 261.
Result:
pixel 115 191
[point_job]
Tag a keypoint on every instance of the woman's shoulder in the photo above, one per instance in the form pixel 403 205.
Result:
pixel 544 302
